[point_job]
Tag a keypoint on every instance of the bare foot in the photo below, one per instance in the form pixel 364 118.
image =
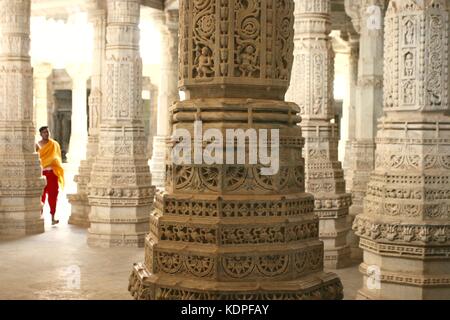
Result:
pixel 54 222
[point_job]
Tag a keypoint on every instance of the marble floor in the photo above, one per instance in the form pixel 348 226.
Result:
pixel 59 265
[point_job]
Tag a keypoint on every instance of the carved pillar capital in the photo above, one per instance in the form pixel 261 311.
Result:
pixel 42 70
pixel 79 71
pixel 97 16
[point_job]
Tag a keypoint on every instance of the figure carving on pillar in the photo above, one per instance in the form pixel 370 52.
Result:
pixel 409 65
pixel 204 62
pixel 409 33
pixel 247 61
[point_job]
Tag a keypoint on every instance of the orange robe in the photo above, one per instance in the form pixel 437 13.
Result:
pixel 50 156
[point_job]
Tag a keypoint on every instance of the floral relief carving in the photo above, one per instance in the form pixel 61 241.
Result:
pixel 229 223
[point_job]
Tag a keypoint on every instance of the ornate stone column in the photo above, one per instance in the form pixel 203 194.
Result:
pixel 227 231
pixel 168 94
pixel 312 89
pixel 41 72
pixel 367 17
pixel 79 201
pixel 79 131
pixel 405 228
pixel 120 190
pixel 353 43
pixel 349 172
pixel 21 183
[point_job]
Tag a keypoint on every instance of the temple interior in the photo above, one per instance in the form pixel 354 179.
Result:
pixel 353 92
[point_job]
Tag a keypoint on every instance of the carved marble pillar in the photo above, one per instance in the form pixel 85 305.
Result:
pixel 168 94
pixel 405 228
pixel 79 201
pixel 21 183
pixel 41 72
pixel 120 191
pixel 353 43
pixel 367 17
pixel 79 128
pixel 349 172
pixel 233 231
pixel 312 90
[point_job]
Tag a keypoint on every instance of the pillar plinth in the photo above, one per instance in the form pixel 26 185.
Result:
pixel 235 231
pixel 79 201
pixel 21 183
pixel 120 192
pixel 405 226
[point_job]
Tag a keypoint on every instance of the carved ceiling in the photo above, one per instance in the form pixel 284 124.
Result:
pixel 61 9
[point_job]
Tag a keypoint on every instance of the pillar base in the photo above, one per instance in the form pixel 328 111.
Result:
pixel 118 226
pixel 400 291
pixel 80 210
pixel 146 286
pixel 362 166
pixel 79 201
pixel 337 258
pixel 116 240
pixel 404 270
pixel 17 224
pixel 356 253
pixel 332 211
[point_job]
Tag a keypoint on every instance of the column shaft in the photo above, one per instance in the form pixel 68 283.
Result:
pixel 405 227
pixel 168 94
pixel 351 105
pixel 234 230
pixel 367 16
pixel 79 126
pixel 79 201
pixel 120 190
pixel 21 184
pixel 313 91
pixel 41 72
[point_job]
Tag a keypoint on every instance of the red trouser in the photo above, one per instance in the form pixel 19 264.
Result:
pixel 52 190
